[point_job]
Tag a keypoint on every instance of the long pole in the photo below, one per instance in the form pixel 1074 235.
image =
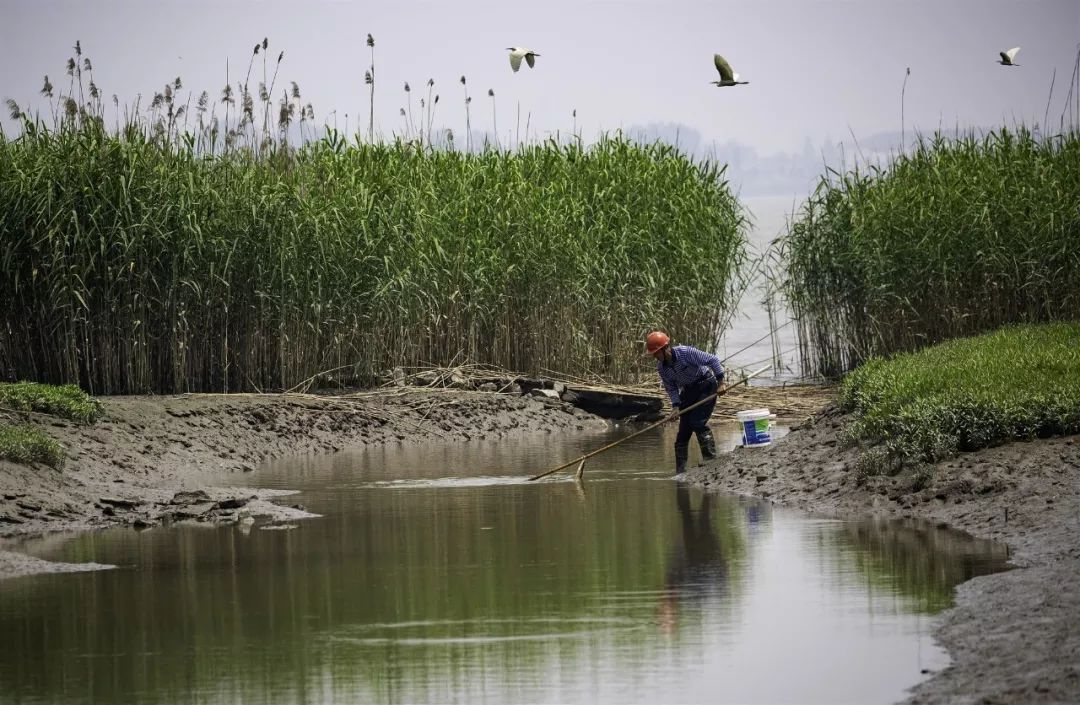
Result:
pixel 650 427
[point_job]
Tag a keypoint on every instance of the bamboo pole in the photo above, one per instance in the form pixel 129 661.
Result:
pixel 581 460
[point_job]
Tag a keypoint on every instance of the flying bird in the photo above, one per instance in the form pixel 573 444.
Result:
pixel 1008 56
pixel 727 76
pixel 516 54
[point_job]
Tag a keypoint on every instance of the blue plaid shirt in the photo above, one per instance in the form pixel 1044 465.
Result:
pixel 688 365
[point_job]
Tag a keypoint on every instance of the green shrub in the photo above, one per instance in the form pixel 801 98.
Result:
pixel 26 444
pixel 66 401
pixel 921 478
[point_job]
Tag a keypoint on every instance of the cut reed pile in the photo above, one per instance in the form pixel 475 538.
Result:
pixel 956 238
pixel 791 401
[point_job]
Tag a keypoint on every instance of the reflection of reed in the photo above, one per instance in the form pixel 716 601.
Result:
pixel 917 559
pixel 519 581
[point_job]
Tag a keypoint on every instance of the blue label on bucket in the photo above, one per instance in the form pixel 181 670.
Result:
pixel 756 432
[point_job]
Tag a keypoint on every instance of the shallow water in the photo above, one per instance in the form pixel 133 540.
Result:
pixel 747 343
pixel 438 574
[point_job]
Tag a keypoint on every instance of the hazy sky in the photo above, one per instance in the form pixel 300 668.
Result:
pixel 818 68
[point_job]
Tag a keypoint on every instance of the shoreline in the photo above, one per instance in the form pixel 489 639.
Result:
pixel 128 467
pixel 1012 637
pixel 155 460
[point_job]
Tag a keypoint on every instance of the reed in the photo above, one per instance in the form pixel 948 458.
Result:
pixel 369 79
pixel 957 237
pixel 226 258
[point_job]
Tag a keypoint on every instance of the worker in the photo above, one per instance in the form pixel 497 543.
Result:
pixel 689 375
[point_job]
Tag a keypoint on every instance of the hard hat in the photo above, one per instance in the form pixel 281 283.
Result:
pixel 655 341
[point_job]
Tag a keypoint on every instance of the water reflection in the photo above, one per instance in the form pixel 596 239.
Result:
pixel 747 340
pixel 436 575
pixel 915 558
pixel 698 566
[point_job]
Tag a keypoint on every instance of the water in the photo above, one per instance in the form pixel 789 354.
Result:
pixel 747 343
pixel 438 574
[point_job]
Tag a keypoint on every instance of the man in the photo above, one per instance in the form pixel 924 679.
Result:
pixel 689 375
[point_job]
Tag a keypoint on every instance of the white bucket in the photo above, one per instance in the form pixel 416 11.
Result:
pixel 756 424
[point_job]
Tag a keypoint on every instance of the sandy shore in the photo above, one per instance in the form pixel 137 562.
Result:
pixel 1014 637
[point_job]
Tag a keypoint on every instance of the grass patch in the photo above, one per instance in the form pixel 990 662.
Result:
pixel 25 444
pixel 66 401
pixel 1017 383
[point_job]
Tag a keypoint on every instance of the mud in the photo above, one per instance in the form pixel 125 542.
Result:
pixel 1013 637
pixel 154 460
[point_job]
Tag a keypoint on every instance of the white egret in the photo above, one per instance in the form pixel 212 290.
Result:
pixel 727 76
pixel 516 54
pixel 1008 56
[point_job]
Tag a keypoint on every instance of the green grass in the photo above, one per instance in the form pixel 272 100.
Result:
pixel 25 444
pixel 1016 383
pixel 66 401
pixel 958 237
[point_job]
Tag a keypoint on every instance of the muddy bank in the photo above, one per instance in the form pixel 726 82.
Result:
pixel 153 460
pixel 1013 637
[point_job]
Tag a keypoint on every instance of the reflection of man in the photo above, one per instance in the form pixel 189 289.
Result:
pixel 697 563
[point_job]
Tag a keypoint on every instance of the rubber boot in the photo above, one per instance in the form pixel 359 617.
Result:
pixel 707 443
pixel 682 454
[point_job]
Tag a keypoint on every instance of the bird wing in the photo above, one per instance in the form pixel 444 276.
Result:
pixel 515 60
pixel 723 67
pixel 531 58
pixel 1011 53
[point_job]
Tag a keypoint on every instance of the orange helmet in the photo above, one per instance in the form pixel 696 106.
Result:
pixel 656 341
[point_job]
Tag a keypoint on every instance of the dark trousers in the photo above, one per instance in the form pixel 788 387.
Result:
pixel 695 421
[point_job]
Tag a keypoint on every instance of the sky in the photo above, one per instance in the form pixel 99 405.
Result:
pixel 818 69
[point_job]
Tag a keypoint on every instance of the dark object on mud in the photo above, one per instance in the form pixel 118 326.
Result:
pixel 612 406
pixel 233 502
pixel 121 503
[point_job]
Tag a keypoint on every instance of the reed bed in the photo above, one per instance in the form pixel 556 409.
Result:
pixel 148 256
pixel 957 237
